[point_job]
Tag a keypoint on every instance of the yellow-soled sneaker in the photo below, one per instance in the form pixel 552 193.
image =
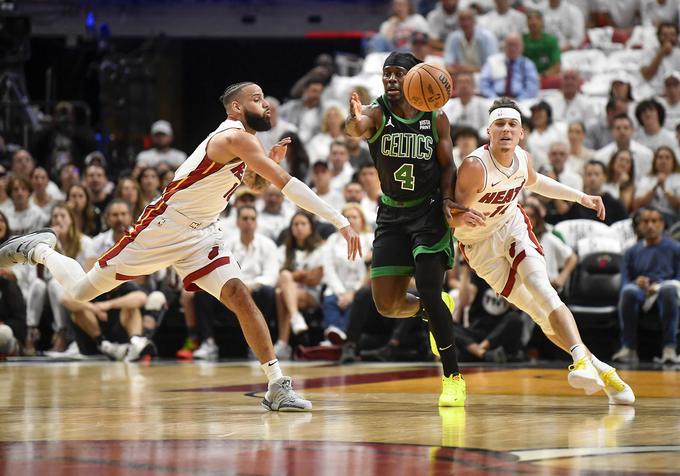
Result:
pixel 451 304
pixel 618 391
pixel 453 391
pixel 582 374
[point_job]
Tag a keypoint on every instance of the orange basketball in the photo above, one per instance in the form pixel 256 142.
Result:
pixel 427 86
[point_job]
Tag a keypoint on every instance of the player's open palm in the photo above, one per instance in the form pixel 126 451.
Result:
pixel 278 150
pixel 353 242
pixel 594 202
pixel 355 106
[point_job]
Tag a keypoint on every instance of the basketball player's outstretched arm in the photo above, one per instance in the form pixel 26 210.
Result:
pixel 544 185
pixel 469 181
pixel 226 146
pixel 362 120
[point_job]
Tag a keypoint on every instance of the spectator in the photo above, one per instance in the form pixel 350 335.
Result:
pixel 651 115
pixel 661 188
pixel 324 69
pixel 599 131
pixel 622 134
pixel 671 100
pixel 305 113
pixel 273 218
pixel 621 178
pixel 129 191
pixel 321 176
pixel 540 47
pixel 543 133
pixel 593 184
pixel 510 73
pixel 665 59
pixel 465 141
pixel 565 21
pixel 12 303
pixel 353 192
pixel 341 169
pixel 579 154
pixel 96 184
pixel 616 13
pixel 570 105
pixel 297 159
pixel 40 197
pixel 420 45
pixel 395 32
pixel 441 21
pixel 87 218
pixel 299 280
pixel 161 150
pixel 5 201
pixel 358 152
pixel 343 278
pixel 467 109
pixel 648 273
pixel 655 12
pixel 23 217
pixel 68 175
pixel 332 126
pixel 558 156
pixel 149 184
pixel 280 127
pixel 504 20
pixel 370 183
pixel 469 48
pixel 23 165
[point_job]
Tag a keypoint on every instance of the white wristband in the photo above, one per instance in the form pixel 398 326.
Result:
pixel 553 189
pixel 302 196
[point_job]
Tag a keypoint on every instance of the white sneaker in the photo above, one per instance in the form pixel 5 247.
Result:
pixel 618 391
pixel 582 374
pixel 298 324
pixel 139 347
pixel 626 355
pixel 282 350
pixel 281 397
pixel 18 250
pixel 71 352
pixel 207 351
pixel 668 356
pixel 113 350
pixel 336 335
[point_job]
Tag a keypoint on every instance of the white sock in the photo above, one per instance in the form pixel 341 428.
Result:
pixel 65 270
pixel 272 370
pixel 578 351
pixel 599 365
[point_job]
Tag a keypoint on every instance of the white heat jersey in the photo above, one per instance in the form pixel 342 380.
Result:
pixel 498 200
pixel 201 188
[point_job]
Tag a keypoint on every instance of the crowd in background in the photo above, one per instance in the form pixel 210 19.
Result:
pixel 599 83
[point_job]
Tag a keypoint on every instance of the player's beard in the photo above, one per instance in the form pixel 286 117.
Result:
pixel 256 122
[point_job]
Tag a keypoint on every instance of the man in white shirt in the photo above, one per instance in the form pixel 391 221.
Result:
pixel 162 151
pixel 566 22
pixel 321 177
pixel 23 163
pixel 370 182
pixel 503 20
pixel 442 20
pixel 664 60
pixel 558 155
pixel 279 126
pixel 23 217
pixel 341 169
pixel 671 100
pixel 617 13
pixel 274 217
pixel 305 113
pixel 570 105
pixel 467 109
pixel 622 133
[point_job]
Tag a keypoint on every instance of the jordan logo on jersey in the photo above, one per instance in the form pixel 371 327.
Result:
pixel 389 123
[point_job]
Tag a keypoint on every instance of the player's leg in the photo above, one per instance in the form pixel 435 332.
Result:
pixel 391 297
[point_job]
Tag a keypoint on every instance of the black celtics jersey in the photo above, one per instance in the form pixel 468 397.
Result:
pixel 404 152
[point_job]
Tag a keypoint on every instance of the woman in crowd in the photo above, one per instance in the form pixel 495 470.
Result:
pixel 579 154
pixel 543 133
pixel 149 184
pixel 87 218
pixel 621 178
pixel 661 188
pixel 332 124
pixel 41 196
pixel 128 190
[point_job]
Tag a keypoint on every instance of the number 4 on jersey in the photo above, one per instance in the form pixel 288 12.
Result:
pixel 404 175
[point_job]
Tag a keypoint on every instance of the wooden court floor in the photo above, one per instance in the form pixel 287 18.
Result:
pixel 102 418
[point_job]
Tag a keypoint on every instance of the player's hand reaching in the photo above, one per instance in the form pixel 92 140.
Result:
pixel 355 106
pixel 457 215
pixel 278 150
pixel 353 242
pixel 594 202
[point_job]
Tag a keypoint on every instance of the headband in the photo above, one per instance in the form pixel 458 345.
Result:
pixel 404 60
pixel 504 113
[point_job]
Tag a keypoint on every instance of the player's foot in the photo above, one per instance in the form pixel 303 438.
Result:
pixel 349 353
pixel 453 391
pixel 281 397
pixel 113 350
pixel 207 351
pixel 139 348
pixel 618 391
pixel 187 350
pixel 451 304
pixel 668 356
pixel 298 323
pixel 626 355
pixel 19 250
pixel 583 375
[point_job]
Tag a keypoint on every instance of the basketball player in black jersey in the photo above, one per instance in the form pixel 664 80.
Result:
pixel 412 151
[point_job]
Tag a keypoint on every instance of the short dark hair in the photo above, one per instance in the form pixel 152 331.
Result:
pixel 598 164
pixel 340 142
pixel 666 25
pixel 624 116
pixel 650 208
pixel 245 207
pixel 545 107
pixel 504 102
pixel 16 180
pixel 650 104
pixel 232 91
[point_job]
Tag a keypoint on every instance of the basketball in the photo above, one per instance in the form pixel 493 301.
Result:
pixel 427 86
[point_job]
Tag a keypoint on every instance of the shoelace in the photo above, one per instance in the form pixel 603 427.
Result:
pixel 580 364
pixel 610 378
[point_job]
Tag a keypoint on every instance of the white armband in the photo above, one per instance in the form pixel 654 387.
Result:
pixel 303 197
pixel 553 189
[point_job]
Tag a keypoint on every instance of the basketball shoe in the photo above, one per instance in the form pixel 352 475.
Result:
pixel 281 397
pixel 582 374
pixel 140 347
pixel 114 351
pixel 19 250
pixel 451 304
pixel 453 391
pixel 618 391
